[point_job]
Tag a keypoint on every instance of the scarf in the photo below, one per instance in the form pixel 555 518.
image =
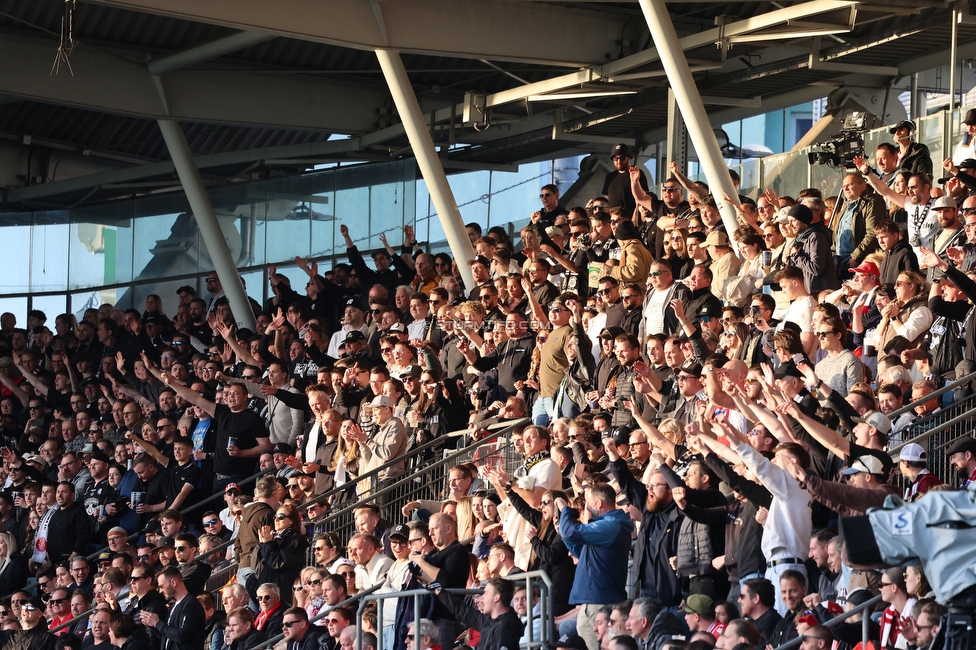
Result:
pixel 532 461
pixel 40 540
pixel 262 618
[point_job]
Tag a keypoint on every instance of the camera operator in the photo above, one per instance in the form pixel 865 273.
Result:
pixel 913 156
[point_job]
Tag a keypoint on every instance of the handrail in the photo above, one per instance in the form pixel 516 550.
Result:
pixel 322 614
pixel 922 437
pixel 945 389
pixel 331 517
pixel 379 598
pixel 795 643
pixel 373 473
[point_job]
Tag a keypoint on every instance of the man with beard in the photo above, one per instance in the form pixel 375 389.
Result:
pixel 626 348
pixel 185 627
pixel 950 236
pixel 963 457
pixel 657 540
pixel 617 184
pixel 70 526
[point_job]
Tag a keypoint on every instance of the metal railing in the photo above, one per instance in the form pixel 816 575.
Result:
pixel 938 393
pixel 865 624
pixel 270 643
pixel 420 483
pixel 937 432
pixel 531 578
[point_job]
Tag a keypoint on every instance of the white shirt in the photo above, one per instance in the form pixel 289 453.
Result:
pixel 654 312
pixel 788 526
pixel 339 337
pixel 801 313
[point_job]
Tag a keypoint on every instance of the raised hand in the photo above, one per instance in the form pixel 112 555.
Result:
pixel 344 230
pixel 861 164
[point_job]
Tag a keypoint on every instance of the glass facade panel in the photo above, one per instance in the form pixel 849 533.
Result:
pixel 49 258
pixel 122 251
pixel 52 306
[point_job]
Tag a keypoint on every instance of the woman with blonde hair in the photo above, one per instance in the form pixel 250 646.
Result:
pixel 465 519
pixel 13 568
pixel 345 462
pixel 681 264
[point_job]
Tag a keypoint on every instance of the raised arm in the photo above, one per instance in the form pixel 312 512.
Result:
pixel 687 183
pixel 538 312
pixel 651 431
pixel 643 198
pixel 833 441
pixel 190 396
pixel 881 188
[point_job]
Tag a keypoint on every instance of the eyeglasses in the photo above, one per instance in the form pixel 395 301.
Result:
pixel 415 539
pixel 556 310
pixel 485 298
pixel 969 211
pixel 386 349
pixel 334 621
pixel 823 335
pixel 686 377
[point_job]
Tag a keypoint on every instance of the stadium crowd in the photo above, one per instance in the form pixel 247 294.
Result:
pixel 696 408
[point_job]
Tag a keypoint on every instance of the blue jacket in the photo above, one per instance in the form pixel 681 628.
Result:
pixel 603 547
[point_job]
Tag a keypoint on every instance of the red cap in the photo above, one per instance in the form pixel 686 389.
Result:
pixel 232 486
pixel 868 268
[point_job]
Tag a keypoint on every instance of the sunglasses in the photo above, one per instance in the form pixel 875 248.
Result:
pixel 823 335
pixel 180 548
pixel 281 517
pixel 288 624
pixel 545 502
pixel 238 513
pixel 211 522
pixel 29 608
pixel 296 588
pixel 57 601
pixel 265 599
pixel 556 310
pixel 134 578
pixel 315 583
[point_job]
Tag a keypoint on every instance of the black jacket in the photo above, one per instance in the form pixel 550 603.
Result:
pixel 185 627
pixel 657 540
pixel 549 554
pixel 900 258
pixel 282 559
pixel 68 533
pixel 36 638
pixel 311 639
pixel 496 633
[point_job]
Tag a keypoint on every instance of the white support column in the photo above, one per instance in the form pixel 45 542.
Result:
pixel 430 165
pixel 206 220
pixel 692 109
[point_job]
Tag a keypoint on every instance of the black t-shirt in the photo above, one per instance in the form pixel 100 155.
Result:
pixel 180 476
pixel 616 187
pixel 246 427
pixel 154 491
pixel 96 495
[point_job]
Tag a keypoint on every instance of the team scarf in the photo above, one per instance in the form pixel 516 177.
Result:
pixel 40 540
